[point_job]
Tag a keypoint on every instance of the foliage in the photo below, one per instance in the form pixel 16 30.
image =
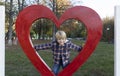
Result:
pixel 1 3
pixel 42 27
pixel 61 6
pixel 46 28
pixel 108 29
pixel 73 28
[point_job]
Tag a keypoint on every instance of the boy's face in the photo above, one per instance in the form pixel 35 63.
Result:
pixel 61 41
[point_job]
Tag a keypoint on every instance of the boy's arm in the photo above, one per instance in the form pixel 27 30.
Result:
pixel 43 46
pixel 75 47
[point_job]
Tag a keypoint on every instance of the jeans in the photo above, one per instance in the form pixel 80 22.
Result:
pixel 56 67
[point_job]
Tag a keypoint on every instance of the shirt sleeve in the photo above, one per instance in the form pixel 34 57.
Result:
pixel 43 46
pixel 75 47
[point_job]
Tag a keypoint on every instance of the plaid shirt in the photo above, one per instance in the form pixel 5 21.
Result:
pixel 59 52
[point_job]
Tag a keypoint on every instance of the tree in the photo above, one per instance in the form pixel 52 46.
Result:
pixel 57 6
pixel 21 4
pixel 74 28
pixel 1 3
pixel 108 29
pixel 10 23
pixel 42 27
pixel 12 8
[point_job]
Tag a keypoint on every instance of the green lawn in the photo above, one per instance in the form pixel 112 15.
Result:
pixel 100 63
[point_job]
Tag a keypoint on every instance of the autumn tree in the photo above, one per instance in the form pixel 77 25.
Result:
pixel 58 7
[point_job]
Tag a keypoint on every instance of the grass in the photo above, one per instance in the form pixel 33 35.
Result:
pixel 100 63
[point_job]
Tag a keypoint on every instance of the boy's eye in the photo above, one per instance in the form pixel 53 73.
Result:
pixel 58 39
pixel 61 39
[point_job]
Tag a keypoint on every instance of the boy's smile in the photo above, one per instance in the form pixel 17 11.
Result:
pixel 61 41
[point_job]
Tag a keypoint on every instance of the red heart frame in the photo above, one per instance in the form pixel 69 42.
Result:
pixel 84 14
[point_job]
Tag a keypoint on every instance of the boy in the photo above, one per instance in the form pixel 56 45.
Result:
pixel 61 50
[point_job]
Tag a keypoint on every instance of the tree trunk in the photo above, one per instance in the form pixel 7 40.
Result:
pixel 54 27
pixel 10 24
pixel 19 8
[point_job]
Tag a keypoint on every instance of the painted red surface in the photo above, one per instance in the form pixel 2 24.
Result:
pixel 84 14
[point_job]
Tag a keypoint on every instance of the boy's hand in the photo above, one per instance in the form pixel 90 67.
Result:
pixel 83 44
pixel 35 48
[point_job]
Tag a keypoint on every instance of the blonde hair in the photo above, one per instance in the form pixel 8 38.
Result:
pixel 60 35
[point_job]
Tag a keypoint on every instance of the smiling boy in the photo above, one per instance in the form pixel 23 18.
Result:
pixel 61 50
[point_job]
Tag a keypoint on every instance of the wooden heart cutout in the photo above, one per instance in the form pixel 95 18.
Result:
pixel 89 17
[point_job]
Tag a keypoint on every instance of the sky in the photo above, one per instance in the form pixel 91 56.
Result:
pixel 103 7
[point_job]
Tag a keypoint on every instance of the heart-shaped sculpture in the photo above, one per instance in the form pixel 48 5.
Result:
pixel 89 17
